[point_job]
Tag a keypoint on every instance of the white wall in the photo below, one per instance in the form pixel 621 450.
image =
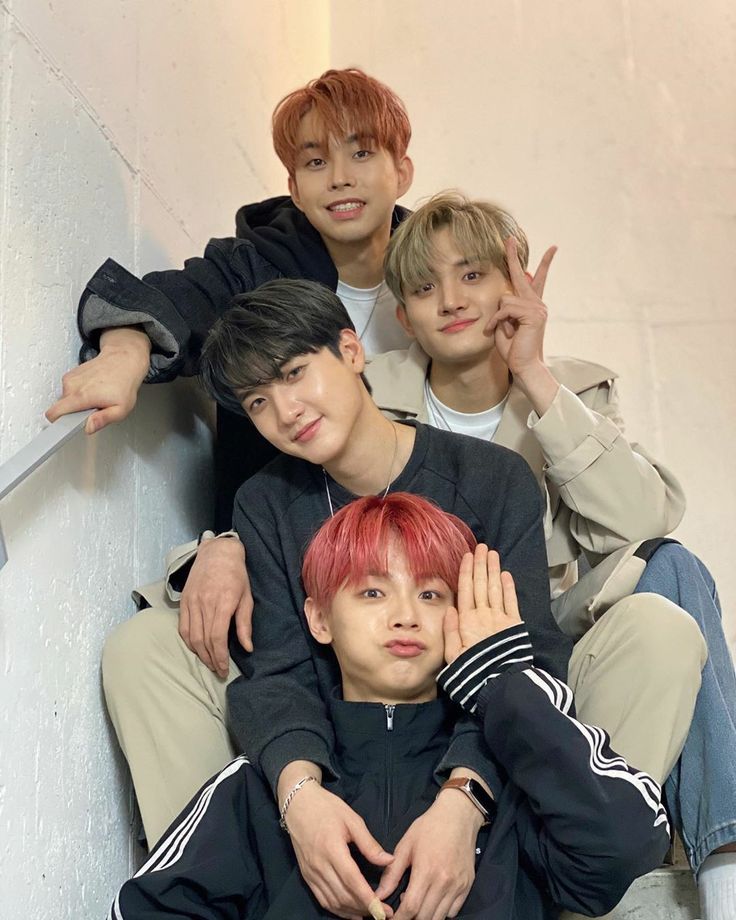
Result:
pixel 135 129
pixel 131 129
pixel 608 128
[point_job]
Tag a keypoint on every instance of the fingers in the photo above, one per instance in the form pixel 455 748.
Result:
pixel 191 629
pixel 104 417
pixel 215 639
pixel 540 275
pixel 368 845
pixel 393 874
pixel 495 591
pixel 465 584
pixel 516 272
pixel 244 621
pixel 480 576
pixel 451 631
pixel 510 602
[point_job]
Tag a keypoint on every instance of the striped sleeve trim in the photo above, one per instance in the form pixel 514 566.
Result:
pixel 465 677
pixel 602 760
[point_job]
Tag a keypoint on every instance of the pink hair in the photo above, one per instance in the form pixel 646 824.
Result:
pixel 356 541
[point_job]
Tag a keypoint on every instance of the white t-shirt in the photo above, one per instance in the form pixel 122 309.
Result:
pixel 476 424
pixel 373 312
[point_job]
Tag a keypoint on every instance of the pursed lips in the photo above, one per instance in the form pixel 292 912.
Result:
pixel 405 648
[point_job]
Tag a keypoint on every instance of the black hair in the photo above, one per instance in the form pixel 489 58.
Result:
pixel 263 330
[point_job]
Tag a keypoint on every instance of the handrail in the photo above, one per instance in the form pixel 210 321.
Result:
pixel 36 452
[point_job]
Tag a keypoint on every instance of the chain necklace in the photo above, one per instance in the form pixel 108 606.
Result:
pixel 390 471
pixel 373 307
pixel 433 405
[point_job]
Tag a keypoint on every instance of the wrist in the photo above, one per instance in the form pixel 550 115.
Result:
pixel 471 794
pixel 291 774
pixel 538 385
pixel 129 342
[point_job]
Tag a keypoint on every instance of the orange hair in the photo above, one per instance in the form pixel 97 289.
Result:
pixel 345 102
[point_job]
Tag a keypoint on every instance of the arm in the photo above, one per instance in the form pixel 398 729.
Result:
pixel 615 491
pixel 172 310
pixel 588 822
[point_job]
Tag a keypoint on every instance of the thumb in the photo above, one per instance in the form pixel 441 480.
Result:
pixel 369 846
pixel 451 630
pixel 244 621
pixel 392 874
pixel 102 418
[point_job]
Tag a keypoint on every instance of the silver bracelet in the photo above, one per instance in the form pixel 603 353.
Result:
pixel 290 797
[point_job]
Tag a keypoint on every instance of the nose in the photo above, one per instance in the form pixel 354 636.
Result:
pixel 340 173
pixel 288 407
pixel 403 615
pixel 452 298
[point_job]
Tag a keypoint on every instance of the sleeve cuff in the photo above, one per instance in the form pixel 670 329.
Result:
pixel 571 436
pixel 463 680
pixel 99 315
pixel 296 745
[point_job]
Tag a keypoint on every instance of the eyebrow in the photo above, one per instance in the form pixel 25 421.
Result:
pixel 350 139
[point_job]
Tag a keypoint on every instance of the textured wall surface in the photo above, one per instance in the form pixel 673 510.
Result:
pixel 129 129
pixel 608 128
pixel 134 129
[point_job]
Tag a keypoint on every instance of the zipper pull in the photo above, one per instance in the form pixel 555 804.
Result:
pixel 389 718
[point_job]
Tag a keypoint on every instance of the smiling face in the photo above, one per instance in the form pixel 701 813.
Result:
pixel 386 631
pixel 449 311
pixel 346 187
pixel 312 408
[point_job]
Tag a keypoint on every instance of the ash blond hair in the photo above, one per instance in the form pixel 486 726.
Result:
pixel 478 229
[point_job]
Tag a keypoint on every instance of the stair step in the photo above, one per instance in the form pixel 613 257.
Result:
pixel 668 893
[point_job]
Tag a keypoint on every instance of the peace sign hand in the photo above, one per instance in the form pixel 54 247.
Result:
pixel 518 325
pixel 486 603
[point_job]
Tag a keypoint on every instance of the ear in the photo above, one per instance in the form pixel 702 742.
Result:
pixel 405 171
pixel 294 192
pixel 351 349
pixel 318 623
pixel 404 320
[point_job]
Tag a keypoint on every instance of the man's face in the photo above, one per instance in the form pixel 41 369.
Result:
pixel 347 190
pixel 386 631
pixel 310 411
pixel 448 313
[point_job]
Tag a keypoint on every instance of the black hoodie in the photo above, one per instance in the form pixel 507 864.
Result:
pixel 177 308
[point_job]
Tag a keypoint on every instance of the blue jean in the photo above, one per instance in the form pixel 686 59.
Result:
pixel 701 789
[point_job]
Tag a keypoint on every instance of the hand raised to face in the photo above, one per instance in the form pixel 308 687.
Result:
pixel 486 602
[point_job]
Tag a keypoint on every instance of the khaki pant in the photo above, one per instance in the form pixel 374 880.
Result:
pixel 635 673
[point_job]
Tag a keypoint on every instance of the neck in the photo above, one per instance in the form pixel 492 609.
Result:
pixel 377 451
pixel 472 387
pixel 360 264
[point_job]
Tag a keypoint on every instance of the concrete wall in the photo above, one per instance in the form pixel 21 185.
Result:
pixel 135 129
pixel 129 129
pixel 609 128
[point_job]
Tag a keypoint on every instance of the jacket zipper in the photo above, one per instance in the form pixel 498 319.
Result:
pixel 389 769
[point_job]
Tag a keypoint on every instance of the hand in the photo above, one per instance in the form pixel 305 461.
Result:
pixel 109 382
pixel 440 848
pixel 216 589
pixel 322 826
pixel 486 602
pixel 519 323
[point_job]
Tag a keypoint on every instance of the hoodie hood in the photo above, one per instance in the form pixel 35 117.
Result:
pixel 282 235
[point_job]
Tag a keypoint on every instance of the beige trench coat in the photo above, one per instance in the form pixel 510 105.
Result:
pixel 604 495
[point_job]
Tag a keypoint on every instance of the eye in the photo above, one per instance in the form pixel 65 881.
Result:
pixel 314 163
pixel 430 595
pixel 474 275
pixel 295 373
pixel 371 593
pixel 253 405
pixel 425 288
pixel 362 154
